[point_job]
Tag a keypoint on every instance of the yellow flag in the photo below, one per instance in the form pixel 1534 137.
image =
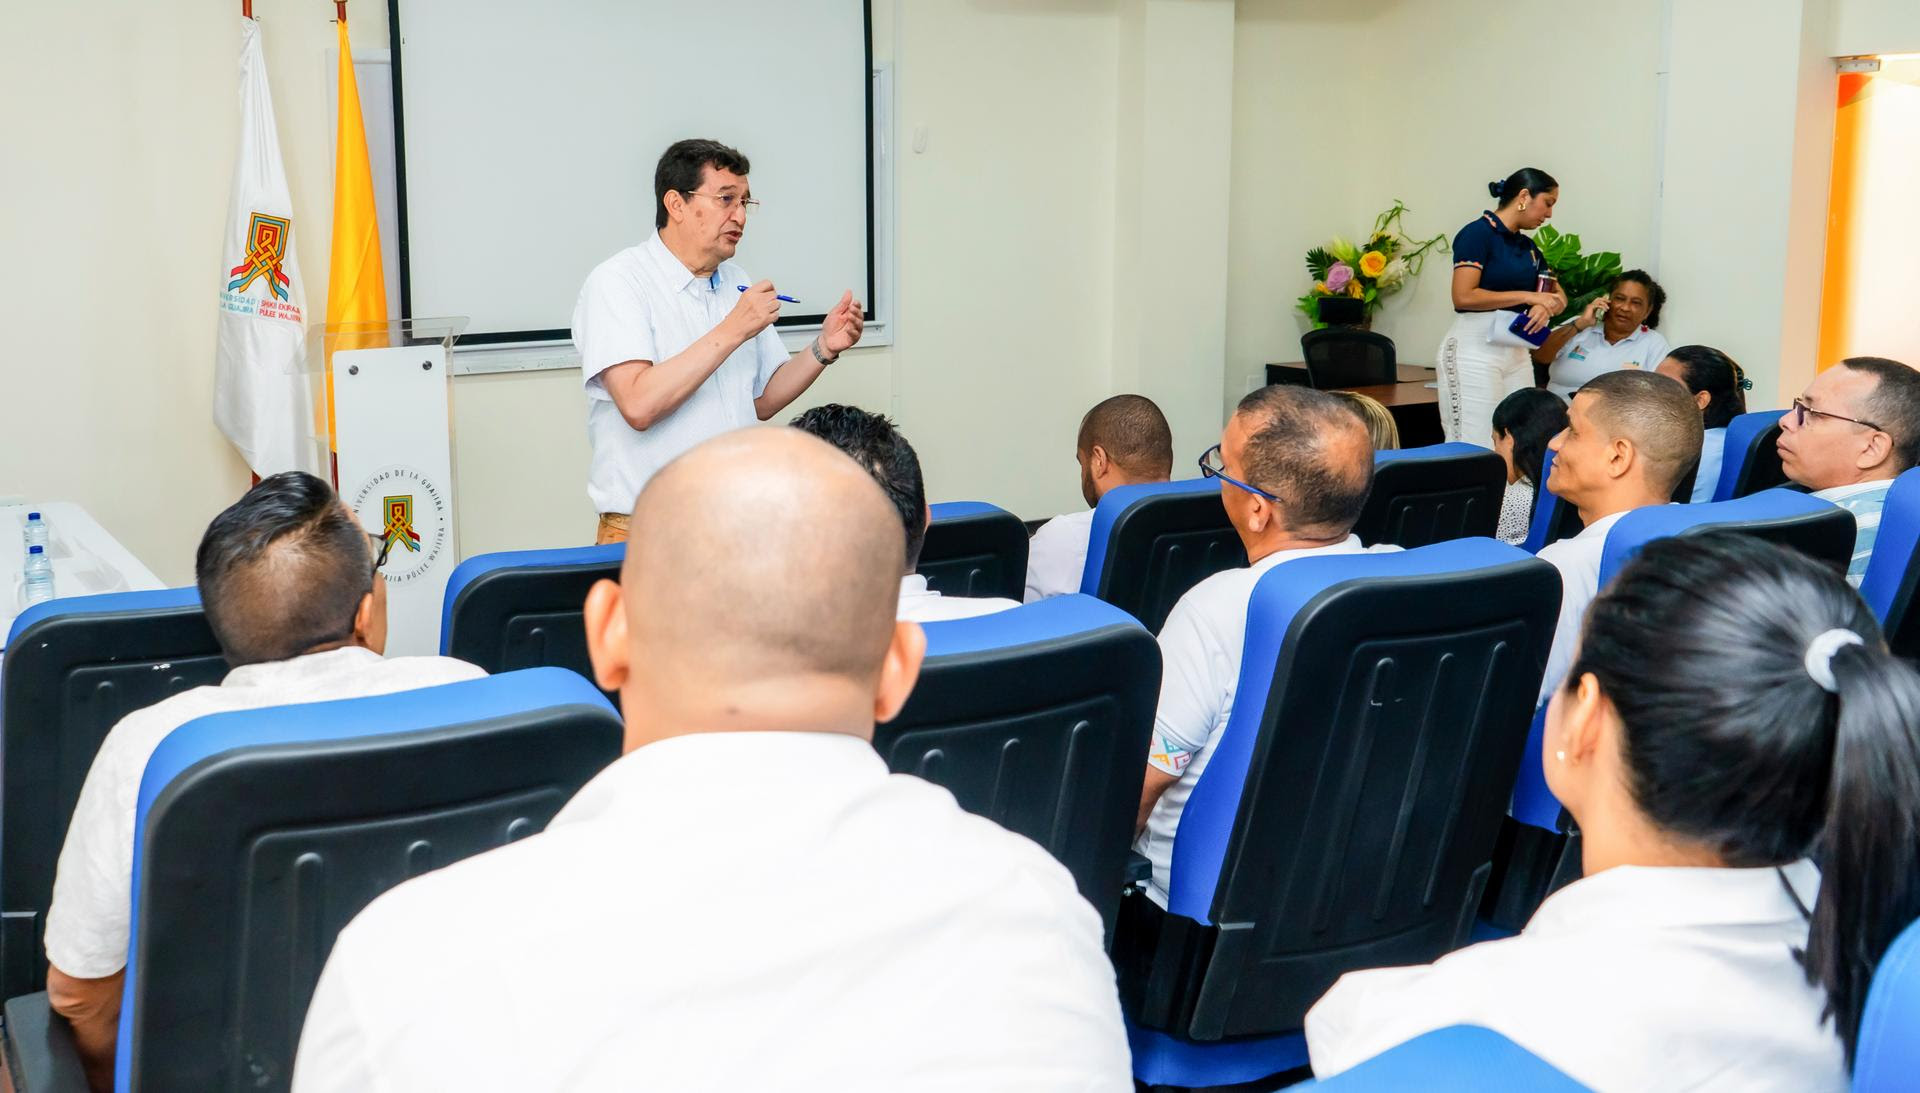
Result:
pixel 356 283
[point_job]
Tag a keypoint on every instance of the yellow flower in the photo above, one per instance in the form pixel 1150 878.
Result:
pixel 1320 288
pixel 1354 289
pixel 1373 263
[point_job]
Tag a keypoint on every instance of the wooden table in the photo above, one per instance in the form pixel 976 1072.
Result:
pixel 1415 407
pixel 1295 372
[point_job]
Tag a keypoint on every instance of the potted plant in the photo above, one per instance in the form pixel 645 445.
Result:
pixel 1582 277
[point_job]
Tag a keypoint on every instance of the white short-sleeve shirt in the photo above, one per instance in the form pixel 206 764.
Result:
pixel 918 603
pixel 91 912
pixel 1637 978
pixel 1588 354
pixel 643 304
pixel 730 911
pixel 1578 560
pixel 1057 555
pixel 1200 648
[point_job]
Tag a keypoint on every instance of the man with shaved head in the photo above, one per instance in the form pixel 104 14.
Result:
pixel 1123 441
pixel 1295 466
pixel 747 899
pixel 1630 439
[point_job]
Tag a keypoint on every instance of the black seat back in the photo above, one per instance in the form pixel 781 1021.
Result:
pixel 1151 543
pixel 263 833
pixel 1342 356
pixel 1038 718
pixel 974 549
pixel 74 668
pixel 1432 494
pixel 1752 459
pixel 522 609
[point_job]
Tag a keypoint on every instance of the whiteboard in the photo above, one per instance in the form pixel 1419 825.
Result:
pixel 527 137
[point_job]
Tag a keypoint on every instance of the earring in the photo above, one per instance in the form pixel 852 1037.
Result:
pixel 1560 755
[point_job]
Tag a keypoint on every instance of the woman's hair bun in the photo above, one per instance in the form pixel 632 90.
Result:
pixel 1496 186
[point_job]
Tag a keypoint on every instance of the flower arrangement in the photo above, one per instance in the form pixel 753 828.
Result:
pixel 1367 272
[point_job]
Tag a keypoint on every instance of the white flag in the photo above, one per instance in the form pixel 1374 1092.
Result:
pixel 260 394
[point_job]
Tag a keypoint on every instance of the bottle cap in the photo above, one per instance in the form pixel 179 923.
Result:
pixel 33 516
pixel 36 549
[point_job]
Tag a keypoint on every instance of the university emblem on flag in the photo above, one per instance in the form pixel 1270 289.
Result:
pixel 399 526
pixel 266 249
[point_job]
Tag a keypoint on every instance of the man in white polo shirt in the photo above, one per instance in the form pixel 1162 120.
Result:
pixel 673 351
pixel 293 593
pixel 1295 466
pixel 747 900
pixel 1123 441
pixel 1630 438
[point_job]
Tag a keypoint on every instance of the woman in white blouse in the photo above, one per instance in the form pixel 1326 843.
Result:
pixel 1617 330
pixel 1523 423
pixel 1733 710
pixel 1719 389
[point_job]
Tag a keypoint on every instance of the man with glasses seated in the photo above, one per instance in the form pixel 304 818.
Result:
pixel 1295 466
pixel 292 590
pixel 1849 434
pixel 676 341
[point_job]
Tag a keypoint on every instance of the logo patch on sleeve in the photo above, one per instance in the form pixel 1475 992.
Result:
pixel 1169 756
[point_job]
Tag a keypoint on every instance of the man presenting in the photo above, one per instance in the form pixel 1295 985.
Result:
pixel 672 351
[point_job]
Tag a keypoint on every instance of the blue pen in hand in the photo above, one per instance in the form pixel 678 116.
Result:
pixel 777 296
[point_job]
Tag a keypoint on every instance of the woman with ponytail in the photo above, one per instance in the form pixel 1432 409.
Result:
pixel 1497 278
pixel 1733 717
pixel 1719 388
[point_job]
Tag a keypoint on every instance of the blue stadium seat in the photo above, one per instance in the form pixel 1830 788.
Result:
pixel 1456 1059
pixel 521 608
pixel 1347 814
pixel 1887 1059
pixel 1751 463
pixel 1039 718
pixel 73 668
pixel 1893 571
pixel 1432 494
pixel 1819 529
pixel 263 832
pixel 974 549
pixel 1150 543
pixel 1553 519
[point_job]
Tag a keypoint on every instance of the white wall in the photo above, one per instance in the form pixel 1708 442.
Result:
pixel 1874 26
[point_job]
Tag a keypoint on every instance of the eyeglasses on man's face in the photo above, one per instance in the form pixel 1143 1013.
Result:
pixel 728 202
pixel 1213 465
pixel 1801 410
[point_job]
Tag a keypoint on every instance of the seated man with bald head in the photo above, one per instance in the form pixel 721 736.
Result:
pixel 747 899
pixel 1124 441
pixel 1630 438
pixel 1295 466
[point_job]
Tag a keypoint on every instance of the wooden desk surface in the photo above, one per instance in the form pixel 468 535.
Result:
pixel 1297 371
pixel 1410 393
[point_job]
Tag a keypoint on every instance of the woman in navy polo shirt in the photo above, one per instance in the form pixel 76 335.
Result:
pixel 1496 268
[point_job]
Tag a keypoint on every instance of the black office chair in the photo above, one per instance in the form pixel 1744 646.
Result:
pixel 1432 494
pixel 1347 812
pixel 1039 718
pixel 263 832
pixel 74 667
pixel 1150 543
pixel 974 549
pixel 1752 460
pixel 1339 357
pixel 522 608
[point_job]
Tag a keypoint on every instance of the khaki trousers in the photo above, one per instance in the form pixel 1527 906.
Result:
pixel 613 528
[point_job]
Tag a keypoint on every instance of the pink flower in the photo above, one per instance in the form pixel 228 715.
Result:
pixel 1338 276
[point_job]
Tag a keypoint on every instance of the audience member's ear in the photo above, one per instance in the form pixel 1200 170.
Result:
pixel 606 619
pixel 1701 398
pixel 1098 462
pixel 926 515
pixel 1876 450
pixel 370 619
pixel 1620 457
pixel 1576 722
pixel 900 670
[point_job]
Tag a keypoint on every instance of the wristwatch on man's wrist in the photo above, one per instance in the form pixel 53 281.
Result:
pixel 814 348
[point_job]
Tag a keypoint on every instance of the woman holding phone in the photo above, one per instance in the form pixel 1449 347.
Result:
pixel 1503 295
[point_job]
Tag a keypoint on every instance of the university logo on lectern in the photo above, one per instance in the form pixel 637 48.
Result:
pixel 266 250
pixel 410 509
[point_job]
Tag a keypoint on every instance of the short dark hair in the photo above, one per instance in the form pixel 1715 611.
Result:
pixel 1292 453
pixel 1700 646
pixel 1894 405
pixel 1531 179
pixel 877 445
pixel 1656 296
pixel 682 166
pixel 1532 417
pixel 1134 434
pixel 1707 369
pixel 1656 413
pixel 282 570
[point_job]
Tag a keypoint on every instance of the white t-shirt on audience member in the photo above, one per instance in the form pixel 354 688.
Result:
pixel 91 912
pixel 730 911
pixel 1636 978
pixel 1201 647
pixel 918 603
pixel 1578 560
pixel 1057 555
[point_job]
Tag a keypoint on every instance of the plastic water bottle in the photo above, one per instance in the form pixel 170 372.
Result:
pixel 39 575
pixel 35 532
